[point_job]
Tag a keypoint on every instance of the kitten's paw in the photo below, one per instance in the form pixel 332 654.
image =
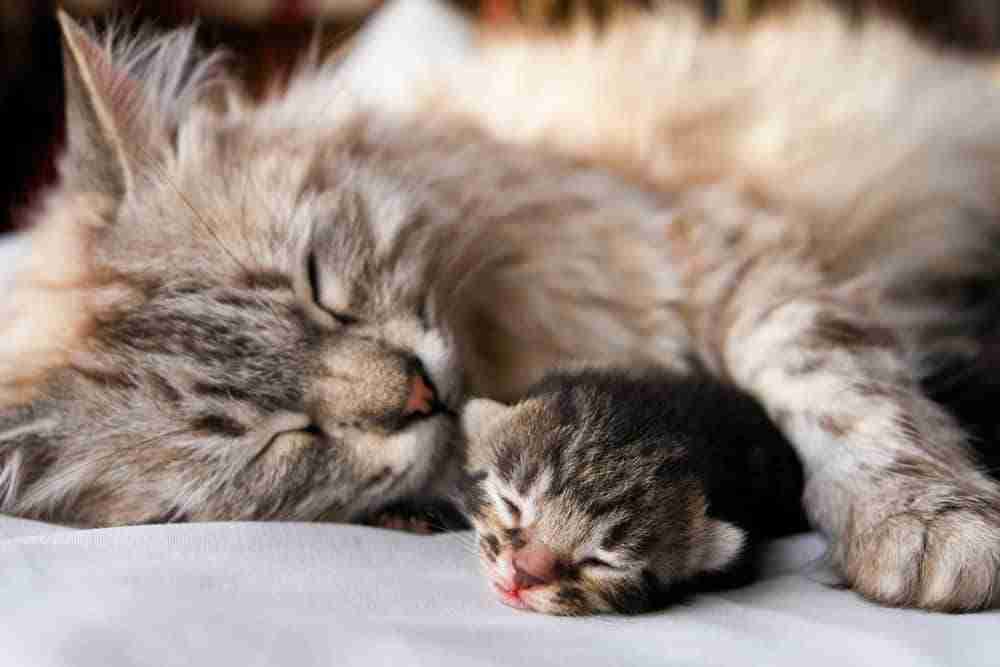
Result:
pixel 943 560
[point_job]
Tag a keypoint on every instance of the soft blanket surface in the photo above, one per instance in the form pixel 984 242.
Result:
pixel 314 594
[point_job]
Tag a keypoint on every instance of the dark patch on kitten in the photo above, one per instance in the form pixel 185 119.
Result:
pixel 616 535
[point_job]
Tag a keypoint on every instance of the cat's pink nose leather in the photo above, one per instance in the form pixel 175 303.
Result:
pixel 421 400
pixel 534 565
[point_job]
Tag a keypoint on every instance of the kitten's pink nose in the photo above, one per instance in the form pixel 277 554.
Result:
pixel 421 400
pixel 534 565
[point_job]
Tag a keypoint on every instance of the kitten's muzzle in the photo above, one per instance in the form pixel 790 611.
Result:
pixel 527 567
pixel 534 565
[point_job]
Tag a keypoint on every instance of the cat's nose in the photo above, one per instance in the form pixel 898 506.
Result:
pixel 534 565
pixel 422 399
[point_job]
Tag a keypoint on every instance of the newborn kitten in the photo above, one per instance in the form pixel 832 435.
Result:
pixel 620 491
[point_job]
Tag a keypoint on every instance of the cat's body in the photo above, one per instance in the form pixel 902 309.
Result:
pixel 590 496
pixel 269 311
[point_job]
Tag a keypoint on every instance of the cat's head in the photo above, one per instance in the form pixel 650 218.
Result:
pixel 579 511
pixel 229 312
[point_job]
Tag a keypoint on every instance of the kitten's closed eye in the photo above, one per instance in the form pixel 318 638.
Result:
pixel 595 562
pixel 515 511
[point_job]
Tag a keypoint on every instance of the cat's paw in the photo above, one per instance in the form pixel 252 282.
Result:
pixel 945 560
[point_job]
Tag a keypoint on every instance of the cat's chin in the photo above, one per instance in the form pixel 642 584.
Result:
pixel 422 452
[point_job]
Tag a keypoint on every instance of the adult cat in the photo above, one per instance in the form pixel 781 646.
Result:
pixel 270 311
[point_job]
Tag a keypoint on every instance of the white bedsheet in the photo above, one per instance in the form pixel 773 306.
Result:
pixel 302 595
pixel 310 594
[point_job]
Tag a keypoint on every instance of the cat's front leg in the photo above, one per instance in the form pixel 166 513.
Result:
pixel 889 477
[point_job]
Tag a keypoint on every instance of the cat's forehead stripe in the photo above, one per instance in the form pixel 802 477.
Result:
pixel 200 333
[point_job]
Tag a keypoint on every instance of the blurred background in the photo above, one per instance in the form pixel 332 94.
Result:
pixel 265 36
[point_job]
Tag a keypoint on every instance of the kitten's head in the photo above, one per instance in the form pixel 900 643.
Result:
pixel 230 313
pixel 582 508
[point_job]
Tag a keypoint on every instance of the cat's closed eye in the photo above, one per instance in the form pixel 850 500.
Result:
pixel 313 430
pixel 287 442
pixel 314 294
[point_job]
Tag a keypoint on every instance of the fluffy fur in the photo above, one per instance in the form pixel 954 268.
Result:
pixel 228 304
pixel 643 485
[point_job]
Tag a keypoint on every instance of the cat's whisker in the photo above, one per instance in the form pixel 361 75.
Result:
pixel 153 163
pixel 207 227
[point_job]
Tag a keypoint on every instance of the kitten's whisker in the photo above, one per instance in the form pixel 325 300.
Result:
pixel 469 546
pixel 462 541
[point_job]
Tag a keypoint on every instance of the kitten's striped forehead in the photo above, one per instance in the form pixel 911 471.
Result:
pixel 588 480
pixel 573 470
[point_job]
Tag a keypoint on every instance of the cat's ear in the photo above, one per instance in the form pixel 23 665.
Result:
pixel 105 131
pixel 479 415
pixel 726 545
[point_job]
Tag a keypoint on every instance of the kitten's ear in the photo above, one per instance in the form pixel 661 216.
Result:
pixel 104 129
pixel 479 415
pixel 726 545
